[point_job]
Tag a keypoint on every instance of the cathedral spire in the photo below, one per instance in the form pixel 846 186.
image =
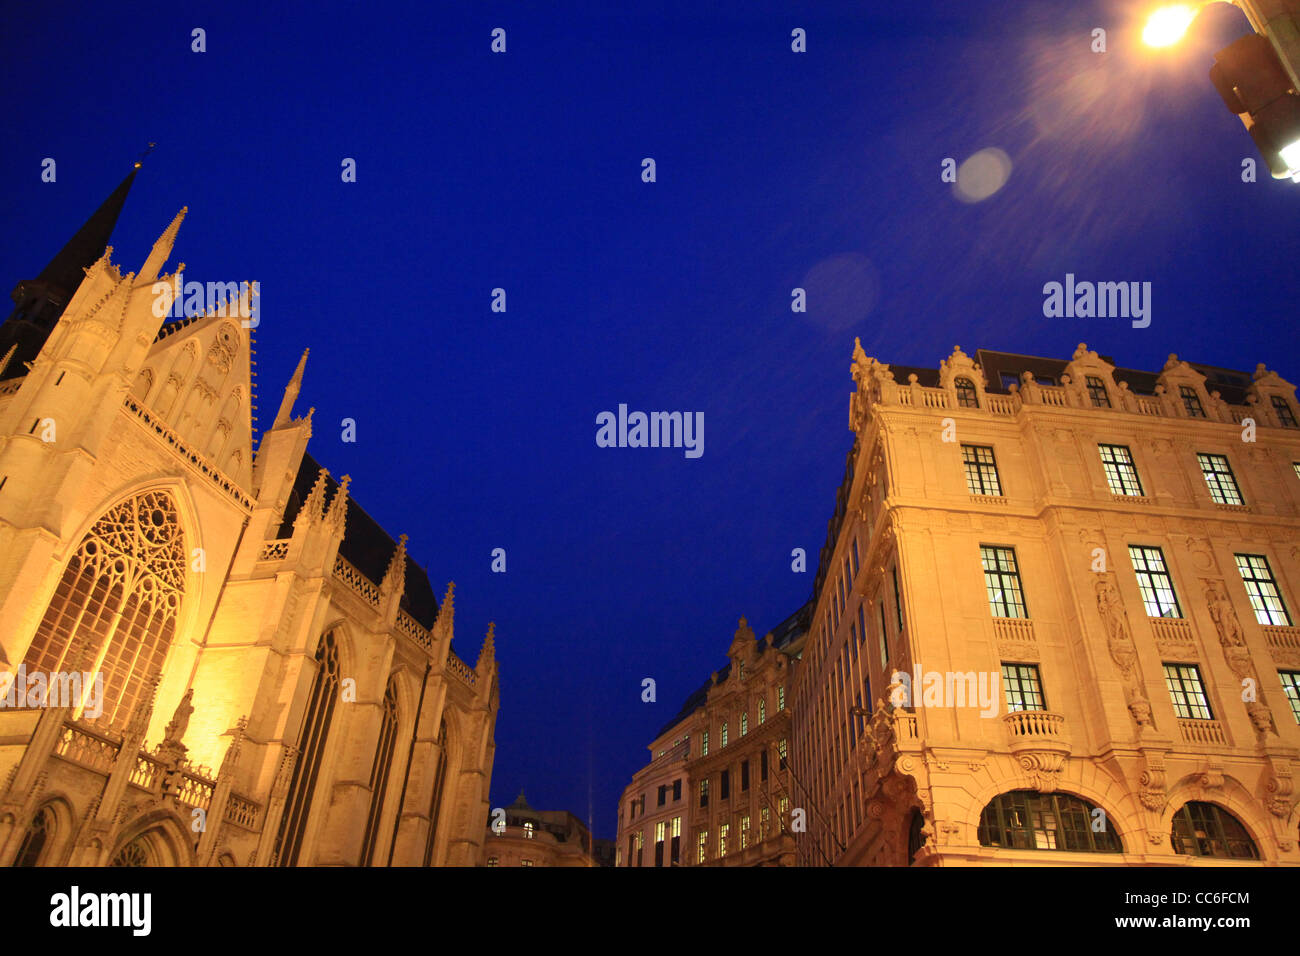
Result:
pixel 291 392
pixel 162 249
pixel 39 302
pixel 66 270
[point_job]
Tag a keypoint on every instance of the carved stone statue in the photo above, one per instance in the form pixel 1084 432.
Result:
pixel 180 721
pixel 1118 639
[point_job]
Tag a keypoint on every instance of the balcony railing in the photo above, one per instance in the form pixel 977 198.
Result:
pixel 912 395
pixel 1282 637
pixel 1023 724
pixel 1014 629
pixel 1202 732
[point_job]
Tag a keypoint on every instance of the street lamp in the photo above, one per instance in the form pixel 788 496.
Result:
pixel 1258 75
pixel 1168 24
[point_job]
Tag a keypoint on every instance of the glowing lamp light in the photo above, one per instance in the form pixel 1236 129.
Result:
pixel 1168 24
pixel 1291 156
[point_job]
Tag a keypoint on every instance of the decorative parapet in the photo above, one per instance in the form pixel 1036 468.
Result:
pixel 461 671
pixel 412 629
pixel 197 462
pixel 884 391
pixel 243 812
pixel 276 550
pixel 358 582
pixel 146 772
pixel 85 747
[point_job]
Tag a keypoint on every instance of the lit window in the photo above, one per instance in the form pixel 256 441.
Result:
pixel 1154 582
pixel 1218 476
pixel 1205 829
pixel 1121 475
pixel 704 793
pixel 528 831
pixel 780 698
pixel 744 723
pixel 723 831
pixel 1002 582
pixel 762 710
pixel 703 845
pixel 704 744
pixel 525 862
pixel 724 733
pixel 1024 690
pixel 491 861
pixel 981 470
pixel 1262 590
pixel 1291 687
pixel 744 833
pixel 1191 401
pixel 1285 416
pixel 1187 692
pixel 1097 392
pixel 1026 820
pixel 967 397
pixel 781 751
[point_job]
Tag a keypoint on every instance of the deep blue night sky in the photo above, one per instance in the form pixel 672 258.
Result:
pixel 476 429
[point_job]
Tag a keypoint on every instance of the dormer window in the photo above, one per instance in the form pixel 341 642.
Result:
pixel 967 397
pixel 1191 401
pixel 1285 416
pixel 1097 392
pixel 1008 379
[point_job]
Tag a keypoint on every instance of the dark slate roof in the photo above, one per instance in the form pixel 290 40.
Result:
pixel 1231 384
pixel 365 544
pixel 782 635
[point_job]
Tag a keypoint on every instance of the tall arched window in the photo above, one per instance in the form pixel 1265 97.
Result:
pixel 1206 829
pixel 379 772
pixel 967 397
pixel 34 840
pixel 311 748
pixel 1029 820
pixel 435 805
pixel 114 610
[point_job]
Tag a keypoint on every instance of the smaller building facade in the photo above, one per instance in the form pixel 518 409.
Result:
pixel 538 838
pixel 718 790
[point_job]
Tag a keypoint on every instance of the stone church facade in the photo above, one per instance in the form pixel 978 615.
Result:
pixel 270 677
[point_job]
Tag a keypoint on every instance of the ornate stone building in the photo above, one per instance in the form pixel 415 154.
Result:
pixel 230 605
pixel 1054 620
pixel 529 837
pixel 717 791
